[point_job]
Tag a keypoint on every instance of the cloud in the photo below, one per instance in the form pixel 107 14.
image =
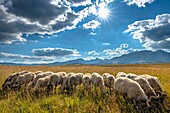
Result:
pixel 92 33
pixel 139 3
pixel 57 52
pixel 106 44
pixel 18 17
pixel 77 3
pixel 122 49
pixel 153 33
pixel 91 25
pixel 43 55
pixel 11 27
pixel 94 53
pixel 19 58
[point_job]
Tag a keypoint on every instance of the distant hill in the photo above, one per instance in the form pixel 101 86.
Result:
pixel 138 57
pixel 141 57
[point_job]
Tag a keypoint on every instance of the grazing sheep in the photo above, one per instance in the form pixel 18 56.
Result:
pixel 97 81
pixel 154 83
pixel 42 83
pixel 74 80
pixel 125 86
pixel 109 80
pixel 86 80
pixel 33 83
pixel 48 73
pixel 24 79
pixel 38 72
pixel 65 79
pixel 145 86
pixel 131 75
pixel 54 80
pixel 11 80
pixel 121 74
pixel 62 75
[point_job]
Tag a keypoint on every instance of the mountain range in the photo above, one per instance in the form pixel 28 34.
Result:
pixel 138 57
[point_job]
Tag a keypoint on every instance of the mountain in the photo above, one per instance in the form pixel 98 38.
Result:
pixel 138 57
pixel 141 57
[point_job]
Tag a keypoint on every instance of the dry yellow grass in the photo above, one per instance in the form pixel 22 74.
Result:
pixel 74 103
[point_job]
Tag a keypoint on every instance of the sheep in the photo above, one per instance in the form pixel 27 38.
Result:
pixel 97 81
pixel 62 75
pixel 109 80
pixel 121 74
pixel 41 83
pixel 74 80
pixel 48 73
pixel 131 75
pixel 65 79
pixel 54 80
pixel 24 79
pixel 154 83
pixel 33 83
pixel 145 86
pixel 38 72
pixel 125 86
pixel 86 80
pixel 11 80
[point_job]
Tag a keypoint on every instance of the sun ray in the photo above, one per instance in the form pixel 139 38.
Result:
pixel 103 13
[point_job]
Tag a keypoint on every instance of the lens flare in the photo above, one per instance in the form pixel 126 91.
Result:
pixel 103 13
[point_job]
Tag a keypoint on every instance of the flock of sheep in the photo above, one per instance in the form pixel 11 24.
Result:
pixel 141 88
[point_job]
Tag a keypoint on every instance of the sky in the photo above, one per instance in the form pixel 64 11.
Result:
pixel 46 31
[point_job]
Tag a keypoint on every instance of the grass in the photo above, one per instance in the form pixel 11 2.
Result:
pixel 81 101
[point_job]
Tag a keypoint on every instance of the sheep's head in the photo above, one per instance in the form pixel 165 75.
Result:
pixel 6 85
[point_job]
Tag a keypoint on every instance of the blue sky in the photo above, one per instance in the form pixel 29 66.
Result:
pixel 37 31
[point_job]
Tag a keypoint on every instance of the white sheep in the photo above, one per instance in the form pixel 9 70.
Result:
pixel 54 80
pixel 38 72
pixel 33 83
pixel 86 80
pixel 65 79
pixel 125 86
pixel 42 83
pixel 109 80
pixel 154 83
pixel 62 75
pixel 149 91
pixel 131 75
pixel 74 80
pixel 97 81
pixel 121 74
pixel 24 79
pixel 9 82
pixel 48 73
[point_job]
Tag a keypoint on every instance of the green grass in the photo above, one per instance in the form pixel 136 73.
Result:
pixel 79 101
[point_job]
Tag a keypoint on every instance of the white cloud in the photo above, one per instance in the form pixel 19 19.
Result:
pixel 139 3
pixel 91 25
pixel 152 33
pixel 92 33
pixel 94 53
pixel 106 44
pixel 19 58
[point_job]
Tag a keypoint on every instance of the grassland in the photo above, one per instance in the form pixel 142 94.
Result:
pixel 79 102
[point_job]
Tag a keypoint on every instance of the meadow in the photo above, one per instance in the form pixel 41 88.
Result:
pixel 81 101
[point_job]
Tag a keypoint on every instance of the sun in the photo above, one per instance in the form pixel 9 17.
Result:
pixel 103 13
